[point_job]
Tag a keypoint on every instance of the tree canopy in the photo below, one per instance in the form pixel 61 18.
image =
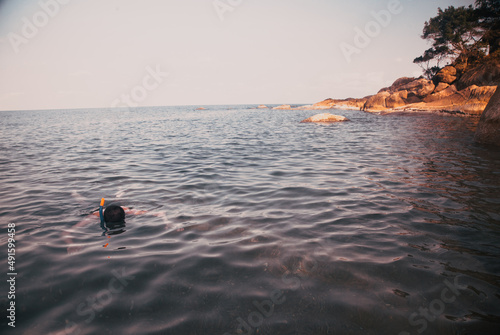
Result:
pixel 488 12
pixel 461 35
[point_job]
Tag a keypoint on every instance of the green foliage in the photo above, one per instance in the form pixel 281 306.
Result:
pixel 488 12
pixel 462 35
pixel 456 31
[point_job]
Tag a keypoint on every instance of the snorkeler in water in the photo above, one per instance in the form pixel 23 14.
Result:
pixel 112 217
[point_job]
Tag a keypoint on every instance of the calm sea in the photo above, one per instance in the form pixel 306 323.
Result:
pixel 255 223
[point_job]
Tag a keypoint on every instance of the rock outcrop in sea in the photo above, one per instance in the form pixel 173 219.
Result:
pixel 325 117
pixel 283 107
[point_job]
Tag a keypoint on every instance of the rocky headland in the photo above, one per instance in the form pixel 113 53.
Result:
pixel 449 91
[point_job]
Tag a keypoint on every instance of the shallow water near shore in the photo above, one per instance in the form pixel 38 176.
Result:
pixel 256 223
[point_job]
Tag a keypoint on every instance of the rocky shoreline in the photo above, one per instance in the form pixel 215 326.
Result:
pixel 449 92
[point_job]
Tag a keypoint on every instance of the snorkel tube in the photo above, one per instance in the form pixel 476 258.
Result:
pixel 101 214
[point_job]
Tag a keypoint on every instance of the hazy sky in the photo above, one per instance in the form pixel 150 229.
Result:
pixel 102 53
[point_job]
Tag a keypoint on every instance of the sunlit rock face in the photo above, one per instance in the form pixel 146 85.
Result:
pixel 422 94
pixel 442 91
pixel 488 129
pixel 325 117
pixel 451 90
pixel 348 103
pixel 283 107
pixel 402 92
pixel 486 74
pixel 397 99
pixel 446 75
pixel 470 101
pixel 377 102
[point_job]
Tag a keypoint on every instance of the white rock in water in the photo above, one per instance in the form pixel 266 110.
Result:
pixel 326 117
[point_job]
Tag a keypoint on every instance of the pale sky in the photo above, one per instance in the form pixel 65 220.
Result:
pixel 64 54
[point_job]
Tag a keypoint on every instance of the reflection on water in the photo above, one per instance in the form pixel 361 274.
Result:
pixel 256 223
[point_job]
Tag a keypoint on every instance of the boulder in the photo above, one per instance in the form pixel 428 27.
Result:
pixel 349 103
pixel 441 93
pixel 397 99
pixel 377 102
pixel 200 108
pixel 283 107
pixel 446 75
pixel 426 89
pixel 325 117
pixel 396 86
pixel 420 87
pixel 488 129
pixel 262 106
pixel 440 87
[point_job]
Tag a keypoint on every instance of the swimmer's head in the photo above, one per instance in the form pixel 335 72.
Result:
pixel 114 216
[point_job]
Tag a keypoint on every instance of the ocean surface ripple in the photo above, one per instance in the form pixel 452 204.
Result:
pixel 255 223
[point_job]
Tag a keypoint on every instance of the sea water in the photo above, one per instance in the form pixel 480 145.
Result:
pixel 255 223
